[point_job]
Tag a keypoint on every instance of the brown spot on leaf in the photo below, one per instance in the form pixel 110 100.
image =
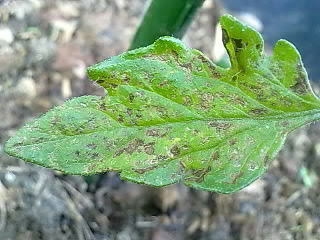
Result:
pixel 187 66
pixel 131 97
pixel 103 106
pixel 235 177
pixel 175 54
pixel 130 148
pixel 206 100
pixel 233 141
pixel 220 126
pixel 201 173
pixel 143 170
pixel 215 156
pixel 156 132
pixel 18 144
pixel 237 100
pixel 205 61
pixel 198 175
pixel 301 86
pixel 94 155
pixel 152 133
pixel 163 83
pixel 215 74
pixel 175 150
pixel 112 85
pixel 187 100
pixel 285 124
pixel 161 157
pixel 120 119
pixel 125 79
pixel 258 47
pixel 195 132
pixel 136 145
pixel 37 140
pixel 266 160
pixel 258 111
pixel 92 146
pixel 129 111
pixel 149 148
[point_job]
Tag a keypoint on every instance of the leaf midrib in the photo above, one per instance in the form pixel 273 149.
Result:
pixel 315 115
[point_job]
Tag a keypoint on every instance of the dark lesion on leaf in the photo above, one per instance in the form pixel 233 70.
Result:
pixel 205 61
pixel 120 119
pixel 17 144
pixel 143 170
pixel 152 132
pixel 130 148
pixel 175 150
pixel 92 146
pixel 111 85
pixel 284 124
pixel 215 156
pixel 187 66
pixel 164 83
pixel 301 86
pixel 156 132
pixel 37 140
pixel 211 68
pixel 94 155
pixel 234 78
pixel 219 126
pixel 198 175
pixel 258 111
pixel 137 145
pixel 258 47
pixel 235 178
pixel 149 148
pixel 103 106
pixel 187 100
pixel 235 99
pixel 206 100
pixel 131 97
pixel 215 74
pixel 266 160
pixel 232 141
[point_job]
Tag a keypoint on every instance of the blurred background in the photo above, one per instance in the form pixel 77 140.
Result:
pixel 45 47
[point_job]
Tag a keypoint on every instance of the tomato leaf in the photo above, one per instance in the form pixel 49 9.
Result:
pixel 171 115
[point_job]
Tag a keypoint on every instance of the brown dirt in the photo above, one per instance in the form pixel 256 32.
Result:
pixel 44 51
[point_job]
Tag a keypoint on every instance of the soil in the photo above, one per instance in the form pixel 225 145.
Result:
pixel 45 47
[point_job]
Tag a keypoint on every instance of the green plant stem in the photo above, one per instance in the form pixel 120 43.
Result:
pixel 165 18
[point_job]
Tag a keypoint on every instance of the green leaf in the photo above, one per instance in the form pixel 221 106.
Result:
pixel 171 115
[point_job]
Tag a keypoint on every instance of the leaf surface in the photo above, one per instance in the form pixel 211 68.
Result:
pixel 171 115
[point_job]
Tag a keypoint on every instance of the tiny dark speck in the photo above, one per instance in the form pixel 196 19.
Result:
pixel 92 146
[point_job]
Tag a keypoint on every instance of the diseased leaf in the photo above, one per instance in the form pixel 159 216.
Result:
pixel 171 115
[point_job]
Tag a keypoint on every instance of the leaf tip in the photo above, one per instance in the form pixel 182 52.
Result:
pixel 286 50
